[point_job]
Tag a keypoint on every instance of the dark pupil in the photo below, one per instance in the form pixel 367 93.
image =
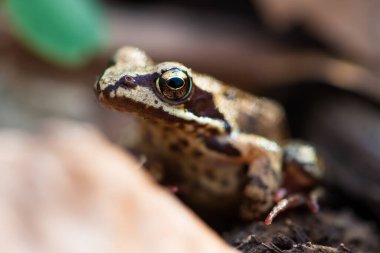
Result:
pixel 175 82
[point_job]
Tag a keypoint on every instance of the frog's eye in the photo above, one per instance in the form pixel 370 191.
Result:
pixel 174 85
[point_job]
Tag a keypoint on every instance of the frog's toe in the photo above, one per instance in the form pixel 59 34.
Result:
pixel 295 200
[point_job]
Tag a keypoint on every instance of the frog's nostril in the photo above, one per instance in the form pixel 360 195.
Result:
pixel 128 81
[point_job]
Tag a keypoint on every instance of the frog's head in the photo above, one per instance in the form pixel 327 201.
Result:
pixel 166 91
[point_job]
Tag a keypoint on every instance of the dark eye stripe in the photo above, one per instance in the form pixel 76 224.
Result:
pixel 202 104
pixel 198 101
pixel 132 82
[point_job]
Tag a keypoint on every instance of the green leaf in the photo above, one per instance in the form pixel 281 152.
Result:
pixel 65 31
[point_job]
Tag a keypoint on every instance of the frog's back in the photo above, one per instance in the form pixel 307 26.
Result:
pixel 244 111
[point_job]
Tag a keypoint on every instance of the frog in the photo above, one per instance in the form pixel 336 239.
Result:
pixel 224 149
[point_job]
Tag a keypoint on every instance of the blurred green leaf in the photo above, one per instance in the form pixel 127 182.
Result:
pixel 65 31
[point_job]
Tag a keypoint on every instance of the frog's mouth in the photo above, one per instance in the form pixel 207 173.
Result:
pixel 158 112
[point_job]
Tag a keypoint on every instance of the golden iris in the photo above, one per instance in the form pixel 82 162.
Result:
pixel 174 85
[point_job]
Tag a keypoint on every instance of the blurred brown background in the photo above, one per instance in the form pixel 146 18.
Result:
pixel 320 59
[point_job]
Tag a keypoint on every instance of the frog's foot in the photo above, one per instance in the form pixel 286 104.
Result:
pixel 292 201
pixel 157 171
pixel 302 173
pixel 172 188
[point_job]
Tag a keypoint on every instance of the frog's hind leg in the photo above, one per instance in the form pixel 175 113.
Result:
pixel 302 171
pixel 302 166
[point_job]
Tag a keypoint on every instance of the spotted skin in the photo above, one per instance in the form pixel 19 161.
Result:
pixel 218 144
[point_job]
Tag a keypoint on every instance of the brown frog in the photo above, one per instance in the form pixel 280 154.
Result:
pixel 220 145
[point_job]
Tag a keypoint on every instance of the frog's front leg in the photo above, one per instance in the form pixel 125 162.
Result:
pixel 264 176
pixel 302 172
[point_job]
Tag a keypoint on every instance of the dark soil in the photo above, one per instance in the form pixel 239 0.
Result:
pixel 299 231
